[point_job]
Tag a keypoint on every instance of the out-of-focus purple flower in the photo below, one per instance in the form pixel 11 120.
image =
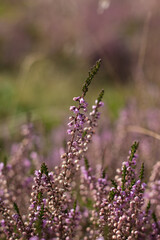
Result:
pixel 1 166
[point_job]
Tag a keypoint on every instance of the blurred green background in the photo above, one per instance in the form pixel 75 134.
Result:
pixel 48 46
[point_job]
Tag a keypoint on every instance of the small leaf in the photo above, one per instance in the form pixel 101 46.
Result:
pixel 44 169
pixel 124 173
pixel 16 208
pixel 114 183
pixel 89 204
pixel 18 212
pixel 154 217
pixel 141 175
pixel 132 183
pixel 111 195
pixel 5 160
pixel 148 207
pixel 86 163
pixel 134 148
pixel 91 74
pixel 39 197
pixel 100 96
pixel 75 205
pixel 104 173
pixel 84 134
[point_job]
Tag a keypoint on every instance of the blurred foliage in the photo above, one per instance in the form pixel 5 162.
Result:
pixel 45 90
pixel 48 46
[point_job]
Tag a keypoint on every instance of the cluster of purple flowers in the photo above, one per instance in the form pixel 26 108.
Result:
pixel 75 200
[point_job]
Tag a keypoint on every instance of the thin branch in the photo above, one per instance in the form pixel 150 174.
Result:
pixel 144 131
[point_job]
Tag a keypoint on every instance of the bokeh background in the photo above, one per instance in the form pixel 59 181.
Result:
pixel 48 46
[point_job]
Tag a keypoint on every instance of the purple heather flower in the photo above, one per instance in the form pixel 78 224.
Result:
pixel 76 98
pixel 1 166
pixel 81 101
pixel 74 109
pixel 69 131
pixel 3 223
pixel 34 238
pixel 94 107
pixel 54 211
pixel 27 163
pixel 37 172
pixel 101 104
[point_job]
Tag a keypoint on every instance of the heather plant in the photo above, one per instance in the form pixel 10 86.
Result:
pixel 108 144
pixel 16 170
pixel 153 192
pixel 133 123
pixel 75 200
